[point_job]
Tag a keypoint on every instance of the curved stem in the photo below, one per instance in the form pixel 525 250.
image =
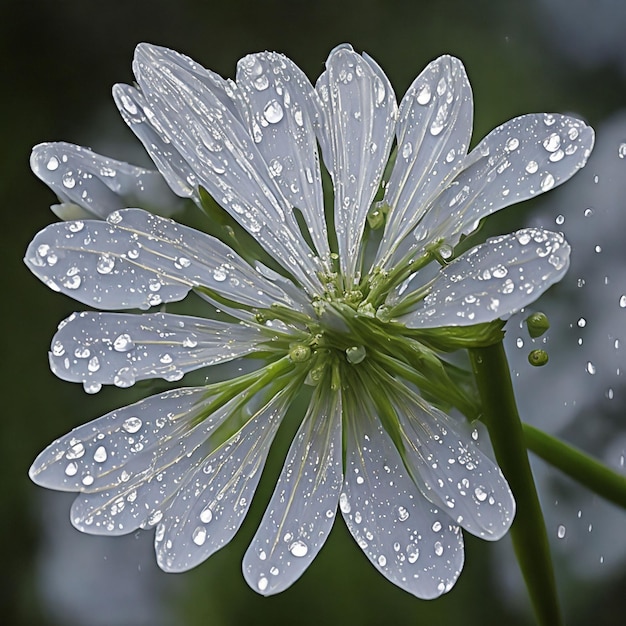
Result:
pixel 578 465
pixel 528 531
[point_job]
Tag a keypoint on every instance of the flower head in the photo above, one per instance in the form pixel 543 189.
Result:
pixel 352 315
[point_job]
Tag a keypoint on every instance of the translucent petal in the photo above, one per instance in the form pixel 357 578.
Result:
pixel 223 158
pixel 115 348
pixel 275 98
pixel 140 118
pixel 150 477
pixel 99 184
pixel 408 539
pixel 360 109
pixel 452 472
pixel 208 510
pixel 302 510
pixel 96 455
pixel 520 159
pixel 493 280
pixel 433 133
pixel 137 259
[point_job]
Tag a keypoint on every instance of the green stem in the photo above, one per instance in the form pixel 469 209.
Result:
pixel 578 465
pixel 528 532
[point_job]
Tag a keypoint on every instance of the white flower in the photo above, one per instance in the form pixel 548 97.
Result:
pixel 354 313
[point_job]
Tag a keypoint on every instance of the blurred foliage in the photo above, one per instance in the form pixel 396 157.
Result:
pixel 59 61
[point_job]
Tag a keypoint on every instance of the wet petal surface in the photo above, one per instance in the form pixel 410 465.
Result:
pixel 115 348
pixel 356 133
pixel 137 259
pixel 302 510
pixel 412 542
pixel 493 280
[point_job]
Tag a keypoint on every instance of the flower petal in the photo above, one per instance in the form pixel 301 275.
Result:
pixel 99 184
pixel 137 259
pixel 433 132
pixel 452 472
pixel 275 98
pixel 408 539
pixel 356 134
pixel 208 510
pixel 114 348
pixel 223 157
pixel 135 495
pixel 141 120
pixel 96 455
pixel 302 510
pixel 520 159
pixel 493 280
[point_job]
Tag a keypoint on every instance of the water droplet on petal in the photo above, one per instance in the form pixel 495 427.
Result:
pixel 52 164
pixel 123 343
pixel 424 94
pixel 547 182
pixel 100 455
pixel 132 424
pixel 298 548
pixel 273 112
pixel 206 515
pixel 532 167
pixel 105 264
pixel 199 535
pixel 552 143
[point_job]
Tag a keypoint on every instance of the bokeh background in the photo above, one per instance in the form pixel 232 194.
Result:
pixel 59 60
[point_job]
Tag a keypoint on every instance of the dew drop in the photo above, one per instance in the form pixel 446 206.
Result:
pixel 262 584
pixel 547 182
pixel 382 560
pixel 76 451
pixel 71 469
pixel 512 144
pixel 261 83
pixel 206 515
pixel 560 531
pixel 480 493
pixel 532 167
pixel 622 301
pixel 552 143
pixel 590 368
pixel 424 94
pixel 132 425
pixel 344 505
pixel 91 387
pixel 105 264
pixel 199 535
pixel 403 514
pixel 298 548
pixel 53 163
pixel 438 548
pixel 100 455
pixel 560 220
pixel 123 343
pixel 621 151
pixel 68 181
pixel 273 112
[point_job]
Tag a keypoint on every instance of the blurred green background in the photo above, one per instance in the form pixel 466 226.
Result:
pixel 59 61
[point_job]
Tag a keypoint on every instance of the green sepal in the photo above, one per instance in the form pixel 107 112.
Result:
pixel 451 338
